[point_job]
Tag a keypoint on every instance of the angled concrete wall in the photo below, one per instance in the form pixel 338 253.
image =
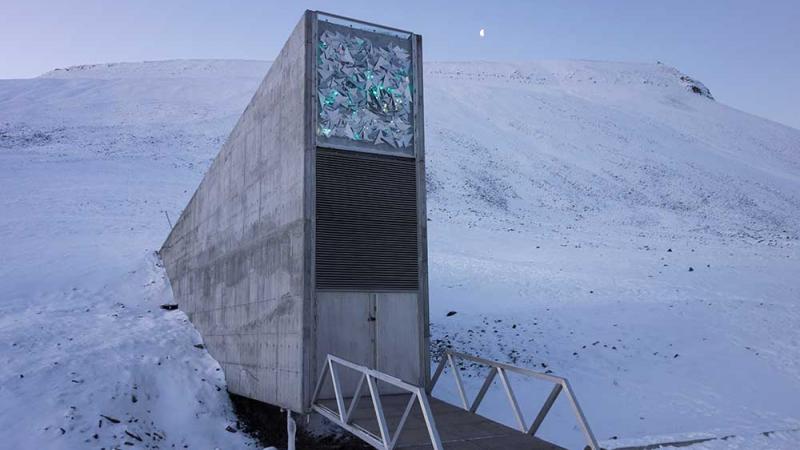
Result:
pixel 242 257
pixel 236 257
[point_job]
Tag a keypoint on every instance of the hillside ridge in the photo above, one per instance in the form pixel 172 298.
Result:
pixel 525 71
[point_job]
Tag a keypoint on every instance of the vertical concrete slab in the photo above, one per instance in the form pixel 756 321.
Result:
pixel 236 257
pixel 422 217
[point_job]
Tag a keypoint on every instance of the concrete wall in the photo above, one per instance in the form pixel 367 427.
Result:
pixel 422 215
pixel 241 257
pixel 236 257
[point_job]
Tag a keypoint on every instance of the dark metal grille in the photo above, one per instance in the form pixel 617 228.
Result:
pixel 366 222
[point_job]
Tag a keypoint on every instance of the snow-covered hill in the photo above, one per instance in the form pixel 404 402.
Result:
pixel 610 222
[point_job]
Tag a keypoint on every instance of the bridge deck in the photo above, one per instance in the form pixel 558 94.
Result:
pixel 458 429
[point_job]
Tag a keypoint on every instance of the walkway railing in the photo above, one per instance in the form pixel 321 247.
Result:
pixel 501 370
pixel 343 417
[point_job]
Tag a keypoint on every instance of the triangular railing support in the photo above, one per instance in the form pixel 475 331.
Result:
pixel 501 370
pixel 344 416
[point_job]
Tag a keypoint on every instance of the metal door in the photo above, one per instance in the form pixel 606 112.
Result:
pixel 377 330
pixel 345 328
pixel 397 338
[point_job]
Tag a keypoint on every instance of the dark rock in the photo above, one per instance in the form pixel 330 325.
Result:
pixel 230 429
pixel 133 435
pixel 110 419
pixel 691 269
pixel 200 346
pixel 451 313
pixel 169 306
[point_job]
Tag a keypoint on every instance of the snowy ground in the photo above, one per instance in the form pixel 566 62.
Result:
pixel 87 169
pixel 651 349
pixel 556 192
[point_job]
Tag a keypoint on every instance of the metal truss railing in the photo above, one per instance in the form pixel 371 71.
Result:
pixel 501 370
pixel 344 416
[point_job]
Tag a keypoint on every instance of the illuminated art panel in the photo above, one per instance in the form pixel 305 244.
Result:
pixel 364 88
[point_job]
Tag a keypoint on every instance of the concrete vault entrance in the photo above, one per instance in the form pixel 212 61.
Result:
pixel 307 235
pixel 302 256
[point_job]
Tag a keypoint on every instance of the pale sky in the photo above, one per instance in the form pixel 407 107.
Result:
pixel 746 52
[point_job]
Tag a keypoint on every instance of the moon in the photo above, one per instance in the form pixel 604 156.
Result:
pixel 482 33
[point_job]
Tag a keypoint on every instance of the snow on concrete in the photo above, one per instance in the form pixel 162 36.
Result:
pixel 609 222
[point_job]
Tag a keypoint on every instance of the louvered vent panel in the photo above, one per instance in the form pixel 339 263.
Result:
pixel 366 222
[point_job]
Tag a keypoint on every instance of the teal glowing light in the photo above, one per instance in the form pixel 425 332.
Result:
pixel 364 90
pixel 330 99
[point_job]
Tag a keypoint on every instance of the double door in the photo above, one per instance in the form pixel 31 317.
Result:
pixel 380 330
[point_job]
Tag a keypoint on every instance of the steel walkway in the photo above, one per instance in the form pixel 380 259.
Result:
pixel 457 428
pixel 408 418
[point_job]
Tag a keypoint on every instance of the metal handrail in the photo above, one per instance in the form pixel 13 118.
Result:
pixel 501 370
pixel 343 417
